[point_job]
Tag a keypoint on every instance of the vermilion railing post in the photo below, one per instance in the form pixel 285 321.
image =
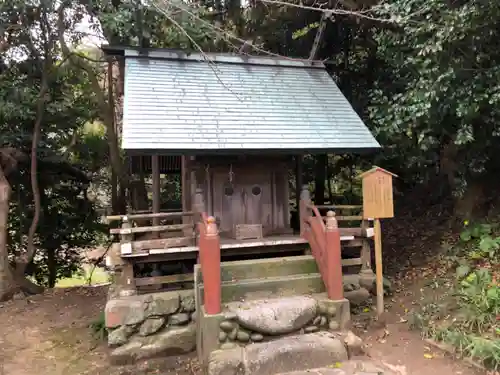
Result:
pixel 210 265
pixel 333 259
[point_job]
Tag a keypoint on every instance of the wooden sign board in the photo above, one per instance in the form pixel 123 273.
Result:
pixel 377 194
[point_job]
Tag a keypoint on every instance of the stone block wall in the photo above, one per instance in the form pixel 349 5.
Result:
pixel 157 324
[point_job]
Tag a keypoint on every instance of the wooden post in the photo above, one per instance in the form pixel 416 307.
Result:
pixel 210 266
pixel 155 169
pixel 304 209
pixel 125 277
pixel 198 208
pixel 378 204
pixel 298 182
pixel 199 204
pixel 186 195
pixel 378 266
pixel 333 255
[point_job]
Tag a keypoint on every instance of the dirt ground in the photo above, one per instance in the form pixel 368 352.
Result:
pixel 49 335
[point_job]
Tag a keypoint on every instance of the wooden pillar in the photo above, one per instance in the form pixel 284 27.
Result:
pixel 298 181
pixel 125 276
pixel 199 204
pixel 155 168
pixel 186 194
pixel 304 210
pixel 185 184
pixel 333 274
pixel 210 265
pixel 199 209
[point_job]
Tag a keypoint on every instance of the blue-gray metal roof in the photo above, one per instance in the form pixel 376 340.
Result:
pixel 175 102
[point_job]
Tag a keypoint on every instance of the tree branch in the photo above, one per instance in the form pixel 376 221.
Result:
pixel 46 63
pixel 198 47
pixel 106 109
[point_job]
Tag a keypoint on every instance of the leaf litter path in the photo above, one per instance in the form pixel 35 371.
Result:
pixel 399 346
pixel 49 335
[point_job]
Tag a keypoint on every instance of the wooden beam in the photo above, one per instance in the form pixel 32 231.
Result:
pixel 339 206
pixel 155 168
pixel 349 218
pixel 351 262
pixel 164 243
pixel 170 279
pixel 158 228
pixel 149 216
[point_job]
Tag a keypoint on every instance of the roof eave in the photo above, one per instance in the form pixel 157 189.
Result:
pixel 228 58
pixel 239 151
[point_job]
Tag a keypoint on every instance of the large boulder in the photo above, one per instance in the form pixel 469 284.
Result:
pixel 275 316
pixel 291 353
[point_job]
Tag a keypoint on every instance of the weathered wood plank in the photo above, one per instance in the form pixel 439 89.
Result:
pixel 170 279
pixel 149 216
pixel 156 228
pixel 340 206
pixel 357 242
pixel 351 262
pixel 164 243
pixel 349 218
pixel 135 212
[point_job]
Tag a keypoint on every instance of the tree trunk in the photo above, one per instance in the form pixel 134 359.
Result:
pixel 12 281
pixel 448 161
pixel 7 284
pixel 52 267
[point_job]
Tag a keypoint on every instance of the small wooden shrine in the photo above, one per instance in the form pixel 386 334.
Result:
pixel 238 128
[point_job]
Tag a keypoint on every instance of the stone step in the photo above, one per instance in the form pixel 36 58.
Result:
pixel 261 268
pixel 239 270
pixel 290 353
pixel 270 287
pixel 352 367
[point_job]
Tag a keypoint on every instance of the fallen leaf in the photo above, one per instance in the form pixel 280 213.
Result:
pixel 335 365
pixel 428 356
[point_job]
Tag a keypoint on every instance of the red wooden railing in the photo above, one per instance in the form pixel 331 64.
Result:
pixel 209 254
pixel 324 240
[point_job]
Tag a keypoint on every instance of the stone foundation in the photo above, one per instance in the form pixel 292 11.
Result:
pixel 263 320
pixel 259 321
pixel 276 298
pixel 144 326
pixel 320 353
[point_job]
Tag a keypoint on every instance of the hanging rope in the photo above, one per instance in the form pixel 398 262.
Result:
pixel 231 174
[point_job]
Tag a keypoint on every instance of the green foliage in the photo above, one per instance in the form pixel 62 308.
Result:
pixel 304 30
pixel 438 88
pixel 68 220
pixel 481 242
pixel 479 298
pixel 482 349
pixel 478 288
pixel 98 327
pixel 467 316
